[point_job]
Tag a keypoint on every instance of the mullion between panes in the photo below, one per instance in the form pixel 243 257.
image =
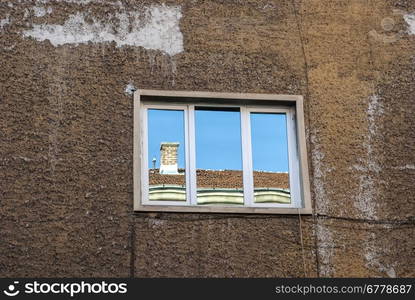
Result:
pixel 192 155
pixel 186 154
pixel 248 182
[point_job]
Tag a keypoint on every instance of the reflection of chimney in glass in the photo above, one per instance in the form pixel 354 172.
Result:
pixel 168 160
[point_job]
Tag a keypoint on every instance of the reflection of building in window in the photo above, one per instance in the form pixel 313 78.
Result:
pixel 168 158
pixel 213 186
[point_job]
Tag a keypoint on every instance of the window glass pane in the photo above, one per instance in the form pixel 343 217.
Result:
pixel 166 155
pixel 218 156
pixel 270 158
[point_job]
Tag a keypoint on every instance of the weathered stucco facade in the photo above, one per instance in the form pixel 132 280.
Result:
pixel 66 191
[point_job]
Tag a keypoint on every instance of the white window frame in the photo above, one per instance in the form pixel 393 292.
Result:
pixel 290 105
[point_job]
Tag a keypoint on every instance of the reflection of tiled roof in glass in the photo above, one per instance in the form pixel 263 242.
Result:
pixel 222 179
pixel 220 187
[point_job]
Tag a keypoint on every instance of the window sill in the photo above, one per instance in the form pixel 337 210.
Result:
pixel 222 209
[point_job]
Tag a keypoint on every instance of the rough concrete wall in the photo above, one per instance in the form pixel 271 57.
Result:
pixel 360 68
pixel 67 70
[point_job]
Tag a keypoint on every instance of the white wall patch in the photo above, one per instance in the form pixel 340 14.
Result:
pixel 367 195
pixel 130 89
pixel 325 250
pixel 67 1
pixel 41 11
pixel 156 28
pixel 410 20
pixel 4 22
pixel 405 167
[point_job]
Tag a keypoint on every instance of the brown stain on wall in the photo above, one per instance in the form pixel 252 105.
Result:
pixel 66 143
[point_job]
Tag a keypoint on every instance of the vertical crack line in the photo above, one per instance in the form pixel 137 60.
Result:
pixel 309 121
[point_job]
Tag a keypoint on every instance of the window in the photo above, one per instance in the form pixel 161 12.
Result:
pixel 219 152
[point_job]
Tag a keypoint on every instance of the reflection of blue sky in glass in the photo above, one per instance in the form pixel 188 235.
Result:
pixel 218 140
pixel 269 142
pixel 165 126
